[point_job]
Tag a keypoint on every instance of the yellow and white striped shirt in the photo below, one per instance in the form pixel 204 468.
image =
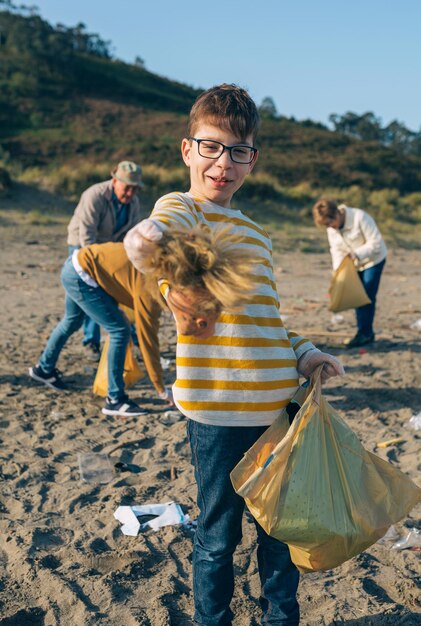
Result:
pixel 247 371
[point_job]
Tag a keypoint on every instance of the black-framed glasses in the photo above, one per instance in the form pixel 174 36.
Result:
pixel 210 149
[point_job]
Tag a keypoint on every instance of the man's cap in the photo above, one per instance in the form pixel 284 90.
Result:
pixel 129 173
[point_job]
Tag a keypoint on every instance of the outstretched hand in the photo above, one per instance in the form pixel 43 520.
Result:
pixel 311 359
pixel 149 230
pixel 140 242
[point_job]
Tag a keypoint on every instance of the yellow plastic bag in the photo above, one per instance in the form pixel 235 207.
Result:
pixel 346 290
pixel 132 370
pixel 129 313
pixel 313 486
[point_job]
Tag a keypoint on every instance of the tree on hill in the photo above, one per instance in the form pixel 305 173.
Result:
pixel 268 107
pixel 63 96
pixel 368 127
pixel 139 62
pixel 33 34
pixel 46 73
pixel 398 136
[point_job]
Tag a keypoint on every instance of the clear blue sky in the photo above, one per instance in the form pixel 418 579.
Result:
pixel 313 57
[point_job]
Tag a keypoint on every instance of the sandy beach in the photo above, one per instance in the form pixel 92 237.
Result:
pixel 64 558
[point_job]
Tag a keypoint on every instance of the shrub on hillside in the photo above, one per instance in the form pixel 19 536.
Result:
pixel 262 197
pixel 5 180
pixel 261 186
pixel 385 204
pixel 67 180
pixel 159 181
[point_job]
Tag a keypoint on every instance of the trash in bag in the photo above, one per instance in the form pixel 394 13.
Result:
pixel 391 535
pixel 412 540
pixel 132 370
pixel 313 486
pixel 346 290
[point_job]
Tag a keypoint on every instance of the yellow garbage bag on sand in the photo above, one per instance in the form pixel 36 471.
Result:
pixel 132 370
pixel 346 290
pixel 129 313
pixel 313 486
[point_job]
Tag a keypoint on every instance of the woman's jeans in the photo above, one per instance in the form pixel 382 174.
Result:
pixel 370 278
pixel 91 330
pixel 81 299
pixel 216 450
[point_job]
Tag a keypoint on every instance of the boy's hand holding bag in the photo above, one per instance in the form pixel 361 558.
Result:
pixel 313 486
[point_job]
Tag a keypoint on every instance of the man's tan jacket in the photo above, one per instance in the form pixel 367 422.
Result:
pixel 94 218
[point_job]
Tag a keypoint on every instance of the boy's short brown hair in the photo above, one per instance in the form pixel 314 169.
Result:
pixel 229 105
pixel 324 210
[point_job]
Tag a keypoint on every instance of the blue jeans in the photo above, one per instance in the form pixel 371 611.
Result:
pixel 215 452
pixel 82 299
pixel 370 278
pixel 91 330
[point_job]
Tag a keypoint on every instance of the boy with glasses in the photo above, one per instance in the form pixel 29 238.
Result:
pixel 233 384
pixel 199 264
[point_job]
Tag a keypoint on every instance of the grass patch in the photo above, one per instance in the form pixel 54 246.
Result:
pixel 39 218
pixel 276 207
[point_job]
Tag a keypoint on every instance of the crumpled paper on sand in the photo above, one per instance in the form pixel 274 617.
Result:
pixel 167 514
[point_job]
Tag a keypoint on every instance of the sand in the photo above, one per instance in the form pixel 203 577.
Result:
pixel 64 559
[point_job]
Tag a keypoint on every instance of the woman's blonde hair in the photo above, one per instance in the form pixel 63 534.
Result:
pixel 206 260
pixel 324 210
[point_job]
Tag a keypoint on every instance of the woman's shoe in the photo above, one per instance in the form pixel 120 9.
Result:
pixel 360 340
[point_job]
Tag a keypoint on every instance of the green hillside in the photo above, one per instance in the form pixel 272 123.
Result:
pixel 67 106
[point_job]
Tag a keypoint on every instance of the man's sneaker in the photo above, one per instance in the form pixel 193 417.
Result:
pixel 52 379
pixel 125 408
pixel 360 340
pixel 92 352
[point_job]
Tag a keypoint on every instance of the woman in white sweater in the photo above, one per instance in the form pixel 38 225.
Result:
pixel 355 233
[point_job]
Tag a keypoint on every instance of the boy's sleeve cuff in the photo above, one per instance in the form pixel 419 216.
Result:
pixel 303 348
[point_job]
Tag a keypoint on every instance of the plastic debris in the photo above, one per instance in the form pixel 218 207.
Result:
pixel 165 363
pixel 390 442
pixel 171 417
pixel 337 319
pixel 391 535
pixel 166 514
pixel 412 540
pixel 416 325
pixel 415 422
pixel 362 351
pixel 95 467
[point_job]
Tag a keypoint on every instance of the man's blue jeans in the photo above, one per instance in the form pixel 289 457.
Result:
pixel 91 330
pixel 370 278
pixel 82 299
pixel 215 452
